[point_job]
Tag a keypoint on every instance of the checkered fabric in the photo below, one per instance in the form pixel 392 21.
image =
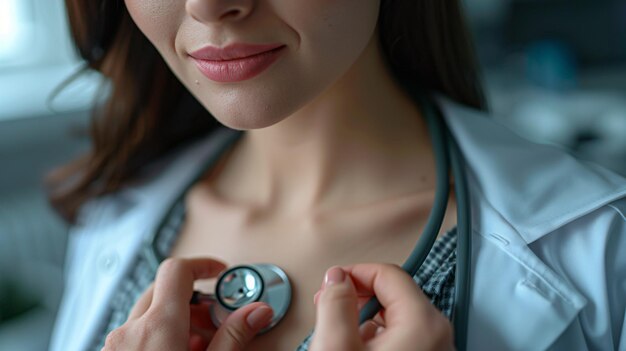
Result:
pixel 435 277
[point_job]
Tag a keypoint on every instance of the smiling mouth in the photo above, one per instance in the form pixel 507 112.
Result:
pixel 227 67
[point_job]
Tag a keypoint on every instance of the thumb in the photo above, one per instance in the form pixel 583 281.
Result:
pixel 240 327
pixel 337 323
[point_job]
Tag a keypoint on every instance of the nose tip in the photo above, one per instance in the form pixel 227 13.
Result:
pixel 213 11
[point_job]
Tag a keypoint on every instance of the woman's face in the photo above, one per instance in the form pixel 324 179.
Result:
pixel 321 39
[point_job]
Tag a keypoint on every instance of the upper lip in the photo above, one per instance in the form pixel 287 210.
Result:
pixel 232 52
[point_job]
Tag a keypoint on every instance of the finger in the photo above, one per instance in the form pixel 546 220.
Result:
pixel 397 292
pixel 380 318
pixel 173 285
pixel 409 317
pixel 363 298
pixel 368 330
pixel 337 322
pixel 240 327
pixel 142 304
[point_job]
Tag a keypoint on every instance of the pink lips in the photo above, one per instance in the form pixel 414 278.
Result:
pixel 236 62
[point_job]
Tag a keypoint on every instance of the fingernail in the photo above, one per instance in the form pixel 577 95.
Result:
pixel 260 317
pixel 335 275
pixel 368 327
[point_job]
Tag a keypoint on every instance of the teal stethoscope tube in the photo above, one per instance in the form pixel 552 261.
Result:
pixel 446 153
pixel 446 150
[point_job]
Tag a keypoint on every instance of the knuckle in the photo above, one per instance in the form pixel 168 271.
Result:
pixel 153 321
pixel 389 268
pixel 115 339
pixel 135 335
pixel 338 293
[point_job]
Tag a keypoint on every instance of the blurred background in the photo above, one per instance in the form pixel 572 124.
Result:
pixel 554 70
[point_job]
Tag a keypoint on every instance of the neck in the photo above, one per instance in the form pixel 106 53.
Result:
pixel 361 140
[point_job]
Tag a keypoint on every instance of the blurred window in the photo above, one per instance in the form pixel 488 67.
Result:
pixel 36 57
pixel 16 31
pixel 10 29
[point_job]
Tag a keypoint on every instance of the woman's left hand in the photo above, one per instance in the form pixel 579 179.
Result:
pixel 407 321
pixel 162 319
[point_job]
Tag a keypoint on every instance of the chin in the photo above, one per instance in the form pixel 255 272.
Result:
pixel 244 123
pixel 247 121
pixel 241 113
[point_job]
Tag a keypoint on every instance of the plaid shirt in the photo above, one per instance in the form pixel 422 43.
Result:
pixel 435 277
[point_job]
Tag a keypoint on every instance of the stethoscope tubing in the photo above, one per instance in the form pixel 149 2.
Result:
pixel 462 278
pixel 446 151
pixel 435 219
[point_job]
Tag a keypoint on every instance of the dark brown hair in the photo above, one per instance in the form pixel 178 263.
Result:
pixel 149 112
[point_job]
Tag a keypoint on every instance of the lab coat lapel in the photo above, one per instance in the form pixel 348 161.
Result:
pixel 517 302
pixel 536 188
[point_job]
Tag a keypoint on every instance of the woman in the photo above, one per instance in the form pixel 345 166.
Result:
pixel 335 167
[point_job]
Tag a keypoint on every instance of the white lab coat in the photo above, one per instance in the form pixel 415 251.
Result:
pixel 549 242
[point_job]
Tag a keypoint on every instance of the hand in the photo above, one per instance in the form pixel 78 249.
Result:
pixel 408 320
pixel 163 319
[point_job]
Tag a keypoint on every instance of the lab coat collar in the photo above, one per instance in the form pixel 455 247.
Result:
pixel 516 178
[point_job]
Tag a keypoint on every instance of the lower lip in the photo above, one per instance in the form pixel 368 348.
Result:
pixel 239 69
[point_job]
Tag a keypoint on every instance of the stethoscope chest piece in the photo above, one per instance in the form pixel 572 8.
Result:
pixel 245 284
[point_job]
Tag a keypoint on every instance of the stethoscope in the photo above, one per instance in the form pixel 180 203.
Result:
pixel 245 284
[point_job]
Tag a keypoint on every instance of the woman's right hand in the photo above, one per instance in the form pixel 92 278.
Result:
pixel 162 319
pixel 407 321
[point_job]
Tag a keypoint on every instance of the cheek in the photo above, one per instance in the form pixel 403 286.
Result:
pixel 157 19
pixel 333 34
pixel 340 27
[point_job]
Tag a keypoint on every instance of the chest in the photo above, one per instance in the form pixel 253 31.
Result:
pixel 303 248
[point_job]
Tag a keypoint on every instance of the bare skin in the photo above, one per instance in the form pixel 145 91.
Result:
pixel 304 246
pixel 335 167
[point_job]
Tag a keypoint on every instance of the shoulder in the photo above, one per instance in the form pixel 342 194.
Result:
pixel 161 181
pixel 120 221
pixel 111 232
